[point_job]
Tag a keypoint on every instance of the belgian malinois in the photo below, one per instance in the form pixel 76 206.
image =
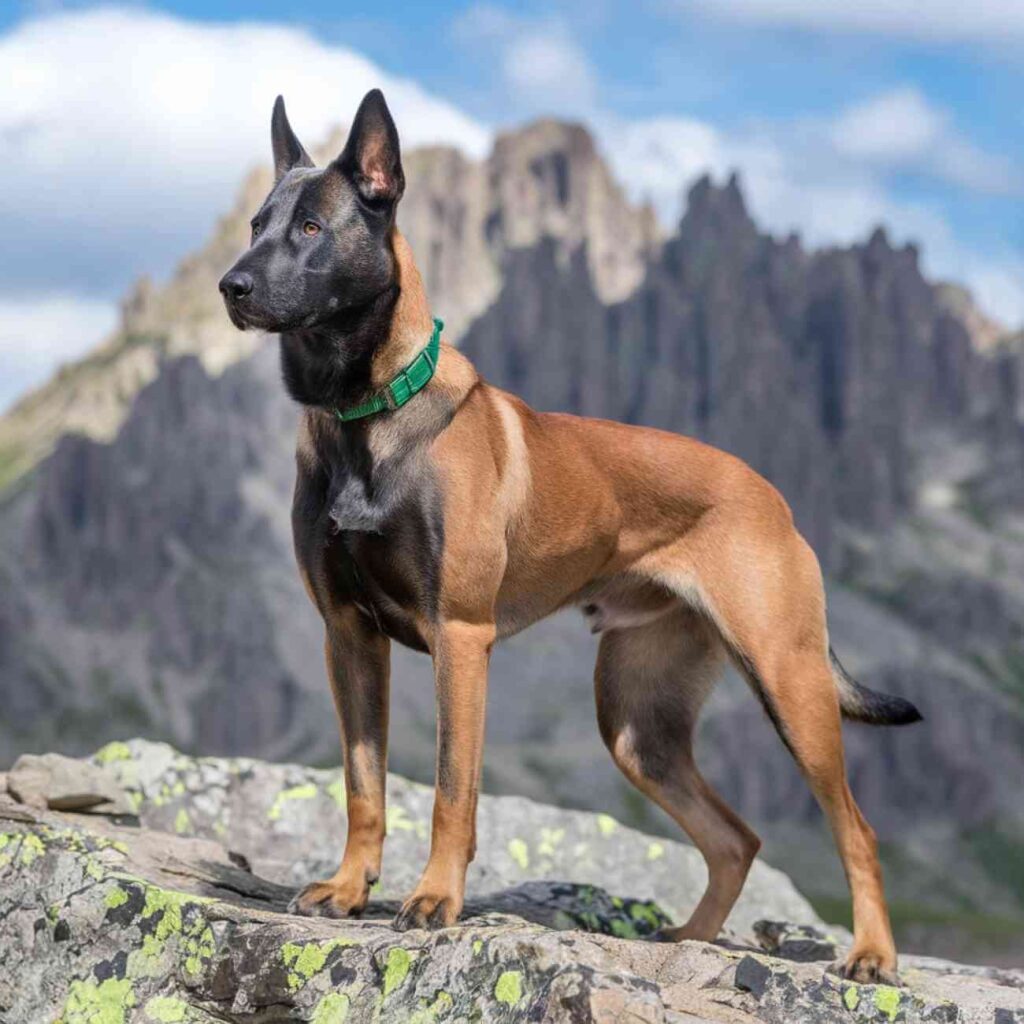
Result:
pixel 438 511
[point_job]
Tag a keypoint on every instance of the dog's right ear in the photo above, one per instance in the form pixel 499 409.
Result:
pixel 288 151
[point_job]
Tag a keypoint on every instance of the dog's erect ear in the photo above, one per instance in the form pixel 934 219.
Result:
pixel 371 157
pixel 288 151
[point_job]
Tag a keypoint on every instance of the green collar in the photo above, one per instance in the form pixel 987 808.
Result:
pixel 412 379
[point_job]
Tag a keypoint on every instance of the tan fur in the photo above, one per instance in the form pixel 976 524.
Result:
pixel 680 554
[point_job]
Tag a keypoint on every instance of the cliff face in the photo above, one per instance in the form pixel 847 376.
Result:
pixel 145 554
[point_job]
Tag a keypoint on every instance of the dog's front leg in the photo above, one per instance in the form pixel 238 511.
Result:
pixel 358 664
pixel 461 655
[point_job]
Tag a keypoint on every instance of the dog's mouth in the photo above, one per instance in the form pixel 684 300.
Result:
pixel 236 316
pixel 247 317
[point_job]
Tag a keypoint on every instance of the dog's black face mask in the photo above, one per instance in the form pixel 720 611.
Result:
pixel 320 242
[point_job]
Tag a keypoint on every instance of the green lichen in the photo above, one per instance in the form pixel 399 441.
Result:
pixel 655 850
pixel 478 944
pixel 332 1009
pixel 91 1002
pixel 182 822
pixel 648 913
pixel 519 852
pixel 623 929
pixel 509 989
pixel 396 969
pixel 167 1009
pixel 31 848
pixel 549 840
pixel 168 905
pixel 606 824
pixel 397 820
pixel 307 791
pixel 887 1000
pixel 428 1013
pixel 199 947
pixel 336 791
pixel 181 918
pixel 117 897
pixel 304 959
pixel 115 751
pixel 851 998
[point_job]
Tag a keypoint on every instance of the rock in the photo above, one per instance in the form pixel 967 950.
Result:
pixel 288 822
pixel 66 784
pixel 107 923
pixel 804 943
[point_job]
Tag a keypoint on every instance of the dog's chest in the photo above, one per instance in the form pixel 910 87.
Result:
pixel 381 551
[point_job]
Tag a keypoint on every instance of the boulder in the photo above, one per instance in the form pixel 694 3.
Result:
pixel 105 921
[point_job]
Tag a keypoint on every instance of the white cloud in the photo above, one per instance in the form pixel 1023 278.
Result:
pixel 900 128
pixel 538 58
pixel 656 158
pixel 895 126
pixel 989 21
pixel 127 131
pixel 546 65
pixel 38 333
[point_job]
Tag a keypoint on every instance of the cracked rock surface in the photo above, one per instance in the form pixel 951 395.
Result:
pixel 175 912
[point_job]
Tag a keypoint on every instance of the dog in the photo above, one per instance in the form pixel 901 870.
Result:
pixel 439 512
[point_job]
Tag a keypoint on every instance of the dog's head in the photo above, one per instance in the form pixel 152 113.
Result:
pixel 321 240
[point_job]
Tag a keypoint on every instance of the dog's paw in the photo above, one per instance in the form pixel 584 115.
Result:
pixel 867 969
pixel 428 911
pixel 329 899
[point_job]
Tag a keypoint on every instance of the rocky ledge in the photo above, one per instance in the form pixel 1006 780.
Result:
pixel 147 886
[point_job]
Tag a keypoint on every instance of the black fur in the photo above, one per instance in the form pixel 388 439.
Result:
pixel 859 704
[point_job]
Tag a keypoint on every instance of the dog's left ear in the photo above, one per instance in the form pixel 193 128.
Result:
pixel 371 158
pixel 288 151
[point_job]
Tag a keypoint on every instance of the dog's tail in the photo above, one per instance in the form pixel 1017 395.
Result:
pixel 860 704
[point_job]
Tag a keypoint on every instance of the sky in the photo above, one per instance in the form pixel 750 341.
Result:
pixel 125 130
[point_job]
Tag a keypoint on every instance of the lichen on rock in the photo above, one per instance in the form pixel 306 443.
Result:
pixel 105 921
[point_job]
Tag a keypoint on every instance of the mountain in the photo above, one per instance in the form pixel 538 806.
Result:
pixel 145 555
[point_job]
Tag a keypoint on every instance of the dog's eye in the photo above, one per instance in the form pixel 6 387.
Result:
pixel 255 230
pixel 311 228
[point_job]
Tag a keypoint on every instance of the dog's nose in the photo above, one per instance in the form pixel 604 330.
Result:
pixel 235 284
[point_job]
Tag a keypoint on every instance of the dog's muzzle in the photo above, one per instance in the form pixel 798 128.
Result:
pixel 235 285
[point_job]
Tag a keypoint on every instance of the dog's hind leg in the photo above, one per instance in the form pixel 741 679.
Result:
pixel 799 691
pixel 768 602
pixel 650 683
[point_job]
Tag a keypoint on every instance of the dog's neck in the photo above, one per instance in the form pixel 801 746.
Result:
pixel 343 361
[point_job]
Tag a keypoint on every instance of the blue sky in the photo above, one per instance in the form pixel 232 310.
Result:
pixel 129 127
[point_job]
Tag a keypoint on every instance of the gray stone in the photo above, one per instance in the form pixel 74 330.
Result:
pixel 66 784
pixel 105 923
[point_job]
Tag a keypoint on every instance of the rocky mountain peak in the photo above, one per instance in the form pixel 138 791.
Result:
pixel 717 212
